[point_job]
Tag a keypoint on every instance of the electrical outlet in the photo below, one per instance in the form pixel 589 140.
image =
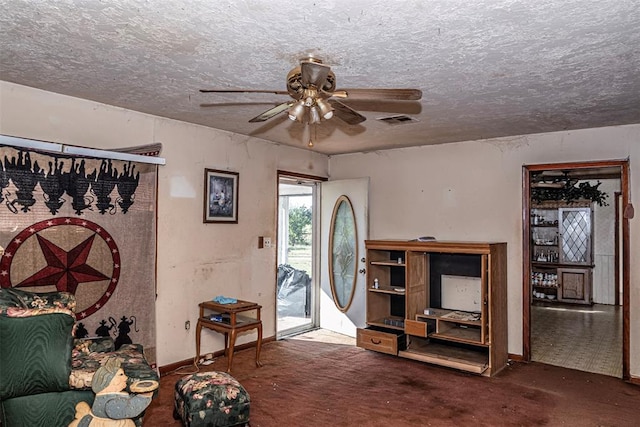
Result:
pixel 187 325
pixel 264 242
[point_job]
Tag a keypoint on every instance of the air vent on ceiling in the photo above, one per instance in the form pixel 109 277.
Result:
pixel 397 119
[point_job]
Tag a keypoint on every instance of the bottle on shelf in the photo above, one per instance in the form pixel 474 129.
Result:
pixel 544 279
pixel 546 256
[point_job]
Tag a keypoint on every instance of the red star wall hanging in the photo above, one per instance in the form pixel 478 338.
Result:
pixel 64 254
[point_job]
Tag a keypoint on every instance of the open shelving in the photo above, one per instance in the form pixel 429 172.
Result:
pixel 562 246
pixel 414 311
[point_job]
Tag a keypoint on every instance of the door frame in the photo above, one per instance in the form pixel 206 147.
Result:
pixel 618 202
pixel 526 252
pixel 315 280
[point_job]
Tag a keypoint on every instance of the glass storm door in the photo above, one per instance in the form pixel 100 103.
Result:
pixel 297 257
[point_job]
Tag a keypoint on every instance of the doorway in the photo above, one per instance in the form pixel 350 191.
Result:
pixel 297 284
pixel 571 308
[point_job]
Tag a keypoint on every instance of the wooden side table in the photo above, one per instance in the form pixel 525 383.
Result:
pixel 224 318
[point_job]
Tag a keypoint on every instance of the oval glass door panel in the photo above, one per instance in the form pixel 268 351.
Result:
pixel 343 253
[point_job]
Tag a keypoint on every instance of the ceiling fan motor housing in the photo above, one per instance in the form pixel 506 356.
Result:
pixel 296 88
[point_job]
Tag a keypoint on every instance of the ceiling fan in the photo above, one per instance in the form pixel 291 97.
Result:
pixel 312 85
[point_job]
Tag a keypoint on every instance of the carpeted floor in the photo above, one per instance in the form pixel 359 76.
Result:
pixel 310 382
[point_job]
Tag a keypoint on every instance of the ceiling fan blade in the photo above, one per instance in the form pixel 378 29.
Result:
pixel 388 94
pixel 277 92
pixel 346 114
pixel 314 73
pixel 271 112
pixel 385 106
pixel 233 104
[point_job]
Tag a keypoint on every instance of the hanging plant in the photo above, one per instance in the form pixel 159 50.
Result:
pixel 569 191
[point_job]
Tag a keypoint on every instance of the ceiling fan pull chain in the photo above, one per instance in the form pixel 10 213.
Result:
pixel 310 144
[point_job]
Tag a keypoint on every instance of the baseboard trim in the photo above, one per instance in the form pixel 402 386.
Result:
pixel 167 369
pixel 516 357
pixel 634 380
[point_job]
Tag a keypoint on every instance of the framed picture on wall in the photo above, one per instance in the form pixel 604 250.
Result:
pixel 220 196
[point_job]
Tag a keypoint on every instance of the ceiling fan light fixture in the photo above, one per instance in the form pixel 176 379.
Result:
pixel 326 110
pixel 296 112
pixel 310 95
pixel 314 115
pixel 308 102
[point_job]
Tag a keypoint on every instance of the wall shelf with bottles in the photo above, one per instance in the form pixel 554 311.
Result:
pixel 545 236
pixel 561 248
pixel 544 284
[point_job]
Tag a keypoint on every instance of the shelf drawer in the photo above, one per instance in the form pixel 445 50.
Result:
pixel 382 341
pixel 419 328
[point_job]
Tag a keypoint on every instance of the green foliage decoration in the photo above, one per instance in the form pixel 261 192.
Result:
pixel 570 192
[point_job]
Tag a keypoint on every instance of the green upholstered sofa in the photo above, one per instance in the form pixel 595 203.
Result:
pixel 44 372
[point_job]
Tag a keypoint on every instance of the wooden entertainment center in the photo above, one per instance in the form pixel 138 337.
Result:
pixel 438 302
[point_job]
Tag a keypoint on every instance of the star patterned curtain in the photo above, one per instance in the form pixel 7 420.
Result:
pixel 85 226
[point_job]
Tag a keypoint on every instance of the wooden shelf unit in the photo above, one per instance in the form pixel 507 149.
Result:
pixel 405 311
pixel 567 273
pixel 460 330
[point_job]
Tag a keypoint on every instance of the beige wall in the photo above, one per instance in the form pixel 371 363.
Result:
pixel 473 191
pixel 196 261
pixel 461 191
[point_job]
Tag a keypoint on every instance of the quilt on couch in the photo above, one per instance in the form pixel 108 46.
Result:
pixel 89 354
pixel 50 371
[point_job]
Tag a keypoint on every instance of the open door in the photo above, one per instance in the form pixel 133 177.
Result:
pixel 298 265
pixel 343 315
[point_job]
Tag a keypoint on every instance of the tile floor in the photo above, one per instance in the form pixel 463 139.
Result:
pixel 326 336
pixel 586 338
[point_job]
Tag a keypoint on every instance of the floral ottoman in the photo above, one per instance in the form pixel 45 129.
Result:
pixel 211 399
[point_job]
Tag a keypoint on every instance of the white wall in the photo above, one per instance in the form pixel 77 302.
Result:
pixel 196 261
pixel 473 191
pixel 604 218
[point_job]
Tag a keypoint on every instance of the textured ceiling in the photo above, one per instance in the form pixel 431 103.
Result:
pixel 487 68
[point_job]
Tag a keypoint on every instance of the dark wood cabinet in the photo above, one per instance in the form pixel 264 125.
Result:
pixel 574 285
pixel 561 250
